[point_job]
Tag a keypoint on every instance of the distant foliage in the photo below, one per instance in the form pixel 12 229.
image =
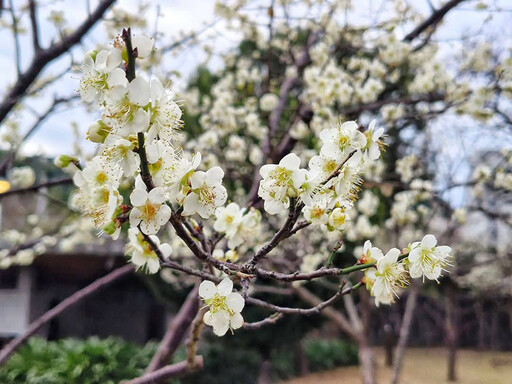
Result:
pixel 327 354
pixel 90 361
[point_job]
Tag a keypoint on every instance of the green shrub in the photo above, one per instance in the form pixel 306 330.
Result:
pixel 327 354
pixel 91 361
pixel 112 360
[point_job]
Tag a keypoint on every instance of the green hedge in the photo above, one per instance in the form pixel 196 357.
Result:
pixel 111 360
pixel 91 361
pixel 323 355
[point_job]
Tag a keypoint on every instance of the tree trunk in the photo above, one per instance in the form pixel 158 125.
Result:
pixel 389 344
pixel 451 334
pixel 366 362
pixel 480 317
pixel 265 376
pixel 301 360
pixel 404 333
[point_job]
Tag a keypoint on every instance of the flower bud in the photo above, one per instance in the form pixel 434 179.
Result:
pixel 98 132
pixel 110 228
pixel 63 161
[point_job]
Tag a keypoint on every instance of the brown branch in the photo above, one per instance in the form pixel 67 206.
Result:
pixel 302 311
pixel 176 331
pixel 433 19
pixel 72 300
pixel 33 23
pixel 45 56
pixel 272 319
pixel 335 316
pixel 283 233
pixel 167 372
pixel 9 159
pixel 195 333
pixel 36 187
pixel 15 33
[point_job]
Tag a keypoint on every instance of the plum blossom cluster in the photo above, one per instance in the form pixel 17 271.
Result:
pixel 141 177
pixel 391 272
pixel 330 184
pixel 137 135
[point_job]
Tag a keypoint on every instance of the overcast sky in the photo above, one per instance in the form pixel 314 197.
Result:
pixel 55 136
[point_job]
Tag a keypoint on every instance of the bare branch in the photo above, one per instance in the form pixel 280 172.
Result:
pixel 168 372
pixel 33 23
pixel 36 187
pixel 47 55
pixel 302 311
pixel 176 331
pixel 272 319
pixel 433 19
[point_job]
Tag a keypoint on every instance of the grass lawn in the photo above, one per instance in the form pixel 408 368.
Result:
pixel 428 366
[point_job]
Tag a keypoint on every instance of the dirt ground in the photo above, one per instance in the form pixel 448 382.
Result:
pixel 427 366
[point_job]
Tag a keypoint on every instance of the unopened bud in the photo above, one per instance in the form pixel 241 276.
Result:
pixel 97 132
pixel 63 161
pixel 110 228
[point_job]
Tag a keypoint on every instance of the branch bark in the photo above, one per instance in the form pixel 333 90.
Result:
pixel 404 334
pixel 433 19
pixel 168 372
pixel 176 331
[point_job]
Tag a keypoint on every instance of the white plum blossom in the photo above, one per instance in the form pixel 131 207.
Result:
pixel 317 213
pixel 228 219
pixel 98 173
pixel 268 102
pixel 101 73
pixel 338 219
pixel 389 277
pixel 339 141
pixel 280 182
pixel 207 193
pixel 165 113
pixel 149 208
pixel 427 260
pixel 372 150
pixel 224 306
pixel 119 150
pixel 98 203
pixel 142 253
pixel 144 45
pixel 123 112
pixel 22 177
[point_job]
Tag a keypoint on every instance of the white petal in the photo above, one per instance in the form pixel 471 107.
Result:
pixel 153 265
pixel 144 45
pixel 207 289
pixel 415 255
pixel 214 175
pixel 164 214
pixel 157 195
pixel 157 89
pixel 428 242
pixel 207 318
pixel 117 78
pixel 235 302
pixel 135 217
pixel 197 179
pixel 225 287
pixel 236 321
pixel 290 161
pixel 138 197
pixel 166 250
pixel 266 169
pixel 139 92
